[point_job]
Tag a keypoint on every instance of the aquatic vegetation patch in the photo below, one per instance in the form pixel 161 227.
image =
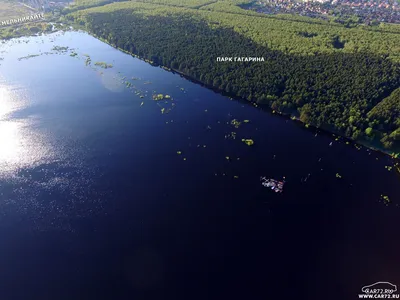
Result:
pixel 103 65
pixel 165 111
pixel 248 142
pixel 385 199
pixel 29 56
pixel 166 106
pixel 158 97
pixel 231 135
pixel 235 123
pixel 60 49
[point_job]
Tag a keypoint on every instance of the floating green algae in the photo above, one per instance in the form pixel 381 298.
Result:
pixel 248 142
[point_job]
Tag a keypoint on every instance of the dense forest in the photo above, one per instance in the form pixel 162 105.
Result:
pixel 345 80
pixel 82 4
pixel 277 32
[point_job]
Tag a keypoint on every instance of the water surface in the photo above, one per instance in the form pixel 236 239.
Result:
pixel 96 202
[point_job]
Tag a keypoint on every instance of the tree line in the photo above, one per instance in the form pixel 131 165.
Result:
pixel 352 93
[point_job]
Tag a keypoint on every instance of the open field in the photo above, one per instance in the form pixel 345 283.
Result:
pixel 11 10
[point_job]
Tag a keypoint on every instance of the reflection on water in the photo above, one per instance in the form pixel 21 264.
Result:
pixel 34 165
pixel 112 82
pixel 5 102
pixel 20 146
pixel 10 147
pixel 77 157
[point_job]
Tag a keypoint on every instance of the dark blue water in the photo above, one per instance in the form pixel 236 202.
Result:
pixel 96 203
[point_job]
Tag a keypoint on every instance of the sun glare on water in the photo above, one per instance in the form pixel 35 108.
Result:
pixel 10 144
pixel 10 140
pixel 19 146
pixel 4 102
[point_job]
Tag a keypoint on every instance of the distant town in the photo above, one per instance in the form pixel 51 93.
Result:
pixel 45 5
pixel 369 12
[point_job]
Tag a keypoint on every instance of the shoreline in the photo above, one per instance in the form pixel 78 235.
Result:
pixel 392 154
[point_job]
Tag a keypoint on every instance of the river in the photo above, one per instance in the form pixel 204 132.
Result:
pixel 106 193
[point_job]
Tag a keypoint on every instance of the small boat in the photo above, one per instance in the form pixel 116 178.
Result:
pixel 275 185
